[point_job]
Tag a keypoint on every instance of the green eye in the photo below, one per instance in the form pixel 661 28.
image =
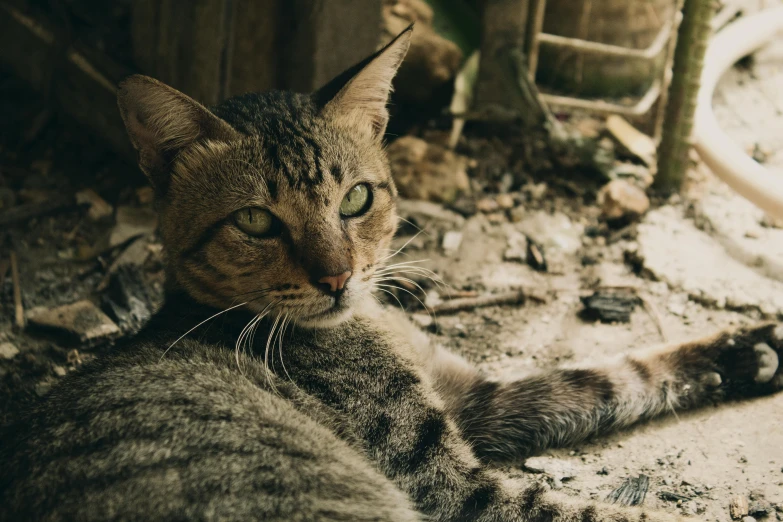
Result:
pixel 356 202
pixel 254 221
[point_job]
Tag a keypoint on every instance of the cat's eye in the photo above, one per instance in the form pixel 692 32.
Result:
pixel 255 221
pixel 357 201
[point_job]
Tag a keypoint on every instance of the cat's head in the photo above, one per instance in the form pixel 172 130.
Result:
pixel 281 201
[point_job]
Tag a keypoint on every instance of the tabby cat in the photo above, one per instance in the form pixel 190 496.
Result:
pixel 278 208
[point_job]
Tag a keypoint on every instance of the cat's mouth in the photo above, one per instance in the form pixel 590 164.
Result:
pixel 338 312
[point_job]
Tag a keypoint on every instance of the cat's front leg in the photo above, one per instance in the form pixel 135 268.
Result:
pixel 509 421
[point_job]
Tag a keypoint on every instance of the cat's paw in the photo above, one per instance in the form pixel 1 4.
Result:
pixel 748 360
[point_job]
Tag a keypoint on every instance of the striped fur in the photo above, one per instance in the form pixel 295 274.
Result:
pixel 354 416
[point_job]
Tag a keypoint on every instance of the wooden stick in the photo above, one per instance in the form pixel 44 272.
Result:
pixel 18 307
pixel 514 297
pixel 31 210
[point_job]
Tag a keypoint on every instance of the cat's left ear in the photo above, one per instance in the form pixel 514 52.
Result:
pixel 358 97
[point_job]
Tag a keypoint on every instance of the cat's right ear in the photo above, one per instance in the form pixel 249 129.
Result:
pixel 161 122
pixel 358 96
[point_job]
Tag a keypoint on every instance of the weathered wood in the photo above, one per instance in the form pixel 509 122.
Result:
pixel 503 24
pixel 213 49
pixel 78 82
pixel 184 44
pixel 325 37
pixel 254 60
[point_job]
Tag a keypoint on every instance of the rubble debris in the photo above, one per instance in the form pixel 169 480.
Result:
pixel 128 300
pixel 423 213
pixel 760 507
pixel 487 205
pixel 514 297
pixel 19 319
pixel 768 221
pixel 516 250
pixel 672 497
pixel 636 142
pixel 98 209
pixel 739 507
pixel 640 173
pixel 609 306
pixel 82 321
pixel 8 351
pixel 131 222
pixel 622 202
pixel 52 205
pixel 558 469
pixel 431 61
pixel 671 249
pixel 505 201
pixel 73 357
pixel 535 256
pixel 135 253
pixel 632 492
pixel 427 171
pixel 451 241
pixel 555 231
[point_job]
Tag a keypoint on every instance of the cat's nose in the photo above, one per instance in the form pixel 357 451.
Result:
pixel 335 282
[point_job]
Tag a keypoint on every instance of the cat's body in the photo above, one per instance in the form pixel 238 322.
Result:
pixel 350 415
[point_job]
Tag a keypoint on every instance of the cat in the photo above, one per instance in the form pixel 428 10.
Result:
pixel 279 208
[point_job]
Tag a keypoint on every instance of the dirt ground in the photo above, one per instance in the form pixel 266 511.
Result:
pixel 699 262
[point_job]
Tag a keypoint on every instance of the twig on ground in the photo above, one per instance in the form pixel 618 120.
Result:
pixel 652 311
pixel 469 303
pixel 18 307
pixel 31 210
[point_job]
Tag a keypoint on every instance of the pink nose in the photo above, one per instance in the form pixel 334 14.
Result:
pixel 336 282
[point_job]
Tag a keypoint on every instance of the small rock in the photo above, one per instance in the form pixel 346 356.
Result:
pixel 622 201
pixel 517 214
pixel 496 218
pixel 81 320
pixel 535 191
pixel 8 351
pixel 99 208
pixel 451 241
pixel 59 370
pixel 427 171
pixel 131 222
pixel 505 201
pixel 487 205
pixel 555 232
pixel 516 250
pixel 748 519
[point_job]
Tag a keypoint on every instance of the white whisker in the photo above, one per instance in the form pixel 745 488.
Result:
pixel 199 324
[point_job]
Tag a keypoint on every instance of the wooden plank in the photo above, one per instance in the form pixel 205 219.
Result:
pixel 83 86
pixel 184 44
pixel 317 40
pixel 503 24
pixel 254 62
